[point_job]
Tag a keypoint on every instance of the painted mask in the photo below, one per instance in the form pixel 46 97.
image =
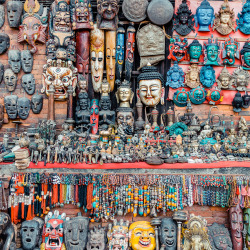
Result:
pixel 60 77
pixel 119 56
pixel 197 95
pixel 125 117
pixel 10 79
pixel 230 51
pixel 245 56
pixel 23 107
pixel 76 232
pixel 168 233
pixel 180 98
pixel 37 103
pixel 194 51
pixel 178 49
pixel 183 22
pixel 124 95
pixel 247 226
pixel 96 239
pixel 10 104
pixel 107 14
pixel 151 90
pixel 142 236
pixel 204 16
pixel 130 50
pixel 1 71
pixel 207 76
pixel 26 61
pixel 224 20
pixel 175 76
pixel 96 57
pixel 151 44
pixel 240 79
pixel 214 96
pixel 192 77
pixel 110 37
pixel 236 225
pixel 224 80
pixel 2 16
pixel 53 231
pixel 118 235
pixel 51 49
pixel 212 52
pixel 71 51
pixel 243 21
pixel 14 60
pixel 28 83
pixel 14 12
pixel 4 42
pixel 94 115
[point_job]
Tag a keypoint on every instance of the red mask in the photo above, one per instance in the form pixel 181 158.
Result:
pixel 94 116
pixel 130 46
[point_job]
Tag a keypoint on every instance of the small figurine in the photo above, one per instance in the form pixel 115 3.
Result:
pixel 240 79
pixel 214 96
pixel 175 76
pixel 192 77
pixel 243 21
pixel 180 98
pixel 183 22
pixel 178 49
pixel 197 95
pixel 212 52
pixel 124 94
pixel 230 51
pixel 207 76
pixel 194 51
pixel 245 56
pixel 94 116
pixel 224 80
pixel 237 102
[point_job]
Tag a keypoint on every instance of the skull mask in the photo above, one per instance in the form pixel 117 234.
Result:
pixel 10 103
pixel 14 60
pixel 10 80
pixel 28 83
pixel 23 107
pixel 27 61
pixel 4 42
pixel 36 103
pixel 14 12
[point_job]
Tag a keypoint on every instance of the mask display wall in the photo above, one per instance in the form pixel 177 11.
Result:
pixel 28 83
pixel 194 51
pixel 175 76
pixel 107 14
pixel 23 107
pixel 36 103
pixel 224 80
pixel 178 49
pixel 192 77
pixel 183 22
pixel 204 16
pixel 26 61
pixel 10 80
pixel 245 55
pixel 14 12
pixel 4 42
pixel 14 60
pixel 240 79
pixel 247 226
pixel 151 44
pixel 212 52
pixel 96 239
pixel 10 104
pixel 243 21
pixel 96 57
pixel 2 16
pixel 230 51
pixel 207 76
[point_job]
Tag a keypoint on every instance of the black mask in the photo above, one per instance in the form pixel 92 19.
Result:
pixel 14 13
pixel 14 60
pixel 23 106
pixel 10 103
pixel 10 80
pixel 4 42
pixel 2 16
pixel 36 103
pixel 28 83
pixel 27 61
pixel 1 72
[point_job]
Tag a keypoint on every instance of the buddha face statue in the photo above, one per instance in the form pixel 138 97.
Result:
pixel 225 80
pixel 247 226
pixel 225 18
pixel 10 80
pixel 125 117
pixel 195 53
pixel 124 95
pixel 142 236
pixel 105 103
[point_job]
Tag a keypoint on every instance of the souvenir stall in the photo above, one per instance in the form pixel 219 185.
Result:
pixel 124 124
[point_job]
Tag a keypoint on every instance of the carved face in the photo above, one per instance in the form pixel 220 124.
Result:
pixel 178 50
pixel 120 40
pixel 27 61
pixel 247 225
pixel 225 18
pixel 23 106
pixel 14 60
pixel 94 116
pixel 108 9
pixel 130 46
pixel 225 80
pixel 118 238
pixel 30 233
pixel 142 236
pixel 71 51
pixel 125 118
pixel 105 103
pixel 96 239
pixel 10 80
pixel 14 12
pixel 4 221
pixel 231 50
pixel 62 21
pixel 124 94
pixel 1 72
pixel 241 80
pixel 246 58
pixel 150 92
pixel 51 49
pixel 215 96
pixel 36 103
pixel 212 53
pixel 184 18
pixel 193 75
pixel 10 104
pixel 205 16
pixel 28 83
pixel 84 104
pixel 168 233
pixel 246 17
pixel 4 42
pixel 195 52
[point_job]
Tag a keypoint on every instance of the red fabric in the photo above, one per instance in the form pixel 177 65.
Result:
pixel 142 165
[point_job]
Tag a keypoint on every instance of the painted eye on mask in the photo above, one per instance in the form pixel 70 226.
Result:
pixel 50 78
pixel 65 79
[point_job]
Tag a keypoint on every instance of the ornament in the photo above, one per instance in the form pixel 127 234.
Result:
pixel 135 11
pixel 214 96
pixel 178 49
pixel 197 95
pixel 180 98
pixel 207 76
pixel 175 76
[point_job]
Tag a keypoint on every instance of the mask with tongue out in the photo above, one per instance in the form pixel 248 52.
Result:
pixel 178 49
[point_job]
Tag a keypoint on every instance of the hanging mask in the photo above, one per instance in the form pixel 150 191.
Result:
pixel 36 103
pixel 2 15
pixel 230 51
pixel 240 79
pixel 23 107
pixel 96 239
pixel 197 95
pixel 10 104
pixel 28 83
pixel 212 52
pixel 1 72
pixel 71 51
pixel 192 77
pixel 14 12
pixel 245 55
pixel 178 49
pixel 207 76
pixel 51 49
pixel 94 115
pixel 4 42
pixel 214 96
pixel 194 51
pixel 10 80
pixel 180 98
pixel 14 60
pixel 243 20
pixel 175 76
pixel 27 61
pixel 237 102
pixel 224 80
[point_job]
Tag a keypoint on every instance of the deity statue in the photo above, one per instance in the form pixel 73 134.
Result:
pixel 178 49
pixel 224 20
pixel 204 16
pixel 247 226
pixel 230 51
pixel 124 94
pixel 105 88
pixel 194 51
pixel 243 21
pixel 96 239
pixel 245 56
pixel 224 80
pixel 94 115
pixel 183 22
pixel 207 76
pixel 125 119
pixel 192 77
pixel 240 79
pixel 212 51
pixel 175 76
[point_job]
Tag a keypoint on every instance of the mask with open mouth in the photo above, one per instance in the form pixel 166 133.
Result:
pixel 212 51
pixel 94 116
pixel 96 239
pixel 178 49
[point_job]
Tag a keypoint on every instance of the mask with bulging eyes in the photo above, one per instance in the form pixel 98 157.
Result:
pixel 14 12
pixel 10 80
pixel 28 83
pixel 14 60
pixel 10 104
pixel 23 107
pixel 37 103
pixel 27 61
pixel 4 42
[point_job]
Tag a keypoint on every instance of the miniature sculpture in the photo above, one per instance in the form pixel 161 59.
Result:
pixel 33 24
pixel 175 76
pixel 197 95
pixel 14 12
pixel 240 79
pixel 10 104
pixel 194 51
pixel 10 80
pixel 96 57
pixel 183 22
pixel 82 83
pixel 124 94
pixel 107 14
pixel 28 83
pixel 230 51
pixel 214 96
pixel 105 88
pixel 151 90
pixel 180 98
pixel 4 42
pixel 243 21
pixel 224 80
pixel 236 225
pixel 7 234
pixel 36 103
pixel 118 235
pixel 196 236
pixel 204 16
pixel 135 11
pixel 26 61
pixel 96 239
pixel 76 232
pixel 142 236
pixel 237 102
pixel 207 76
pixel 212 52
pixel 192 77
pixel 224 20
pixel 151 44
pixel 23 107
pixel 247 225
pixel 125 119
pixel 246 100
pixel 14 60
pixel 94 116
pixel 245 56
pixel 178 49
pixel 2 16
